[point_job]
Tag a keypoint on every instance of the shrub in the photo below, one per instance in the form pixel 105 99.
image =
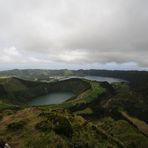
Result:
pixel 63 126
pixel 16 125
pixel 59 124
pixel 44 126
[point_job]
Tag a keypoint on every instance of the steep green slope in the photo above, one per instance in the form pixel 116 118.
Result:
pixel 128 100
pixel 123 131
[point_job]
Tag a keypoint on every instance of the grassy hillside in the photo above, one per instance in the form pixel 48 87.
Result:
pixel 100 115
pixel 124 132
pixel 36 127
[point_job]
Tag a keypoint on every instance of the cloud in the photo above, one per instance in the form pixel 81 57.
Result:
pixel 70 32
pixel 12 55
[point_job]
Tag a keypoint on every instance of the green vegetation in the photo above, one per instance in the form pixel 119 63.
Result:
pixel 141 125
pixel 43 126
pixel 125 132
pixel 68 73
pixel 51 128
pixel 86 111
pixel 59 124
pixel 99 115
pixel 18 91
pixel 15 126
pixel 94 92
pixel 4 106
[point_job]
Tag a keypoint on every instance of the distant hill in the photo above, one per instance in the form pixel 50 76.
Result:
pixel 138 79
pixel 32 74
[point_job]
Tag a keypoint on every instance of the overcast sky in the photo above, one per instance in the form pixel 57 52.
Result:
pixel 74 34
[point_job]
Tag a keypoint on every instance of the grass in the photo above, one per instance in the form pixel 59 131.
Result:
pixel 4 106
pixel 15 126
pixel 3 79
pixel 12 84
pixel 141 125
pixel 95 92
pixel 89 95
pixel 28 128
pixel 86 111
pixel 124 131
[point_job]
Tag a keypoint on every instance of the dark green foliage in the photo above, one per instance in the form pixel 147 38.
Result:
pixel 74 85
pixel 62 126
pixel 58 123
pixel 16 126
pixel 2 91
pixel 80 144
pixel 44 126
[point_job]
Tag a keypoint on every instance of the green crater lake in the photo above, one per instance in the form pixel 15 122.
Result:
pixel 59 97
pixel 52 98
